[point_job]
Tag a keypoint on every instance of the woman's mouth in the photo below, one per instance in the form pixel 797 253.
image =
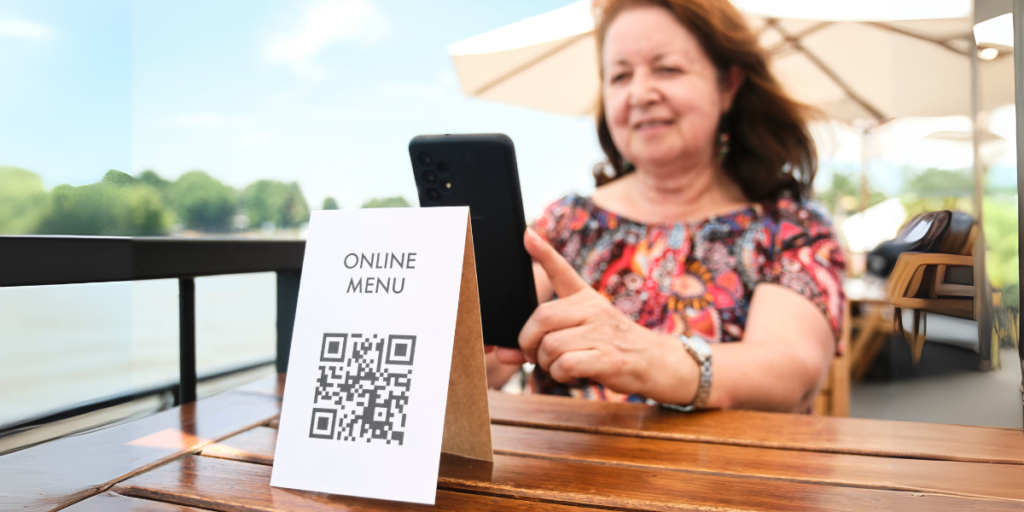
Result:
pixel 651 124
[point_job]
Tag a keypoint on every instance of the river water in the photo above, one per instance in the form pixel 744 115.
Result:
pixel 64 345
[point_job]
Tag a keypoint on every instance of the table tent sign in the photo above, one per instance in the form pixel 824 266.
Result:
pixel 386 369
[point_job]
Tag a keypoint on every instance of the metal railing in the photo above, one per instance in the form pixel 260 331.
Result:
pixel 54 260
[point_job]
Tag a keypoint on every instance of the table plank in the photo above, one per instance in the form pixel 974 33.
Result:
pixel 255 445
pixel 655 485
pixel 229 485
pixel 272 386
pixel 629 488
pixel 113 502
pixel 957 478
pixel 764 429
pixel 60 472
pixel 858 436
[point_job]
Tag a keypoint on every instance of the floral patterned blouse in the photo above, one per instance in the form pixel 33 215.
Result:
pixel 694 278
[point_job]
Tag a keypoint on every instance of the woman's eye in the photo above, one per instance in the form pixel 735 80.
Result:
pixel 668 70
pixel 618 77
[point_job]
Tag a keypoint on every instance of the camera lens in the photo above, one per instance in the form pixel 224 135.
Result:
pixel 426 159
pixel 429 176
pixel 433 194
pixel 443 167
pixel 446 186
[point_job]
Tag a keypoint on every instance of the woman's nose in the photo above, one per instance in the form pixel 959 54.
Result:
pixel 642 90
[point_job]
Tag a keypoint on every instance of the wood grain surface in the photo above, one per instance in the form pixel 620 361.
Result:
pixel 113 502
pixel 236 486
pixel 273 386
pixel 901 439
pixel 649 480
pixel 764 429
pixel 975 479
pixel 636 489
pixel 60 472
pixel 948 477
pixel 255 445
pixel 552 453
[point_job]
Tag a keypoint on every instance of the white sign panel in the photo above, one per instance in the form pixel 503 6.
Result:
pixel 368 373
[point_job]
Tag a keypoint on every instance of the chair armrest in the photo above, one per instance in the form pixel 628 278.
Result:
pixel 909 276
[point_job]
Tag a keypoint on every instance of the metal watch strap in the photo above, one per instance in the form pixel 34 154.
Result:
pixel 700 350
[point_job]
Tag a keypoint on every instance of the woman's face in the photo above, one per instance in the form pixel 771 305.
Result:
pixel 663 97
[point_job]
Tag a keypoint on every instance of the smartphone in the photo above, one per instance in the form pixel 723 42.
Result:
pixel 479 171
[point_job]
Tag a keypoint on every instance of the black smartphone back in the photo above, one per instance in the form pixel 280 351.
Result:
pixel 479 171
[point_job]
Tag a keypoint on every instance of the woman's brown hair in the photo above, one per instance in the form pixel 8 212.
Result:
pixel 771 151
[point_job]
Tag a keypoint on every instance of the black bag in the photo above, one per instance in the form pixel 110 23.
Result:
pixel 941 231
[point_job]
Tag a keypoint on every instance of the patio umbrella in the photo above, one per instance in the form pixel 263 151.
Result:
pixel 870 62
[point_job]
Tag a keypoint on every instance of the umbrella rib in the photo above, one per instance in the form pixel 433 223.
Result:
pixel 828 71
pixel 944 44
pixel 528 64
pixel 778 47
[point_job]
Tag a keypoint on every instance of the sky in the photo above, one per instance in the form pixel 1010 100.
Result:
pixel 327 93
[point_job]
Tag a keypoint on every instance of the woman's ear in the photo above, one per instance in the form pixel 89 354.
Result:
pixel 730 86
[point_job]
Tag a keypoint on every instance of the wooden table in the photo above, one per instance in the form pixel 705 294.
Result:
pixel 551 453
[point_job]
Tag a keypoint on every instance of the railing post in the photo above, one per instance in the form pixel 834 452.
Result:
pixel 187 340
pixel 287 300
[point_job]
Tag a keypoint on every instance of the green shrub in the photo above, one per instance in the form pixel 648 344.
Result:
pixel 116 206
pixel 276 202
pixel 22 200
pixel 386 202
pixel 203 203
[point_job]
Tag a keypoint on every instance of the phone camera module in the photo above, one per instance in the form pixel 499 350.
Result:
pixel 429 176
pixel 433 194
pixel 426 159
pixel 446 186
pixel 443 167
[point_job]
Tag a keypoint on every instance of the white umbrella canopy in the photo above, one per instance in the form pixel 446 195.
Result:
pixel 875 60
pixel 547 62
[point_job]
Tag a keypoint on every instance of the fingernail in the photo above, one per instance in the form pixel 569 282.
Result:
pixel 533 234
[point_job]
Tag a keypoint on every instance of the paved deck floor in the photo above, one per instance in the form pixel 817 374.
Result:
pixel 944 388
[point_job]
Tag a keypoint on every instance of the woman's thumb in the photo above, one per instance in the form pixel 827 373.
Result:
pixel 564 278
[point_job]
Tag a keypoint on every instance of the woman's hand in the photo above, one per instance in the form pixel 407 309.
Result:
pixel 582 335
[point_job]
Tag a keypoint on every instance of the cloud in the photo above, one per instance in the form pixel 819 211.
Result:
pixel 24 29
pixel 325 23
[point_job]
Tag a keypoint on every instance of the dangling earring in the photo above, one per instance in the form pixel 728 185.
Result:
pixel 723 145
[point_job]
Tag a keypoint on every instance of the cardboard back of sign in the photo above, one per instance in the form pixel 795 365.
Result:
pixel 467 422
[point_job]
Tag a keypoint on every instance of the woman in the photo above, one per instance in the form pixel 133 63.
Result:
pixel 696 276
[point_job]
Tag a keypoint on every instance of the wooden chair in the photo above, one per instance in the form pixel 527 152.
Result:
pixel 947 283
pixel 834 397
pixel 871 324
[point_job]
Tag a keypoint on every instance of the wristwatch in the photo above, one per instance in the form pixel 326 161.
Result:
pixel 700 350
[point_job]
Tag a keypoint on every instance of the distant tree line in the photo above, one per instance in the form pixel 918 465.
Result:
pixel 144 205
pixel 149 205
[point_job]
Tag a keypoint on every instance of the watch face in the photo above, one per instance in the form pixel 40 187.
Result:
pixel 700 346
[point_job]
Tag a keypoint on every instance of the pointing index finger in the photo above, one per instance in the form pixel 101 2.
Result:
pixel 564 278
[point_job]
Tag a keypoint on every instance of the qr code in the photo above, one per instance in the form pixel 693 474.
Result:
pixel 363 388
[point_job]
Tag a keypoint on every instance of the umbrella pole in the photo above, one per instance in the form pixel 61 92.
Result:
pixel 988 343
pixel 865 163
